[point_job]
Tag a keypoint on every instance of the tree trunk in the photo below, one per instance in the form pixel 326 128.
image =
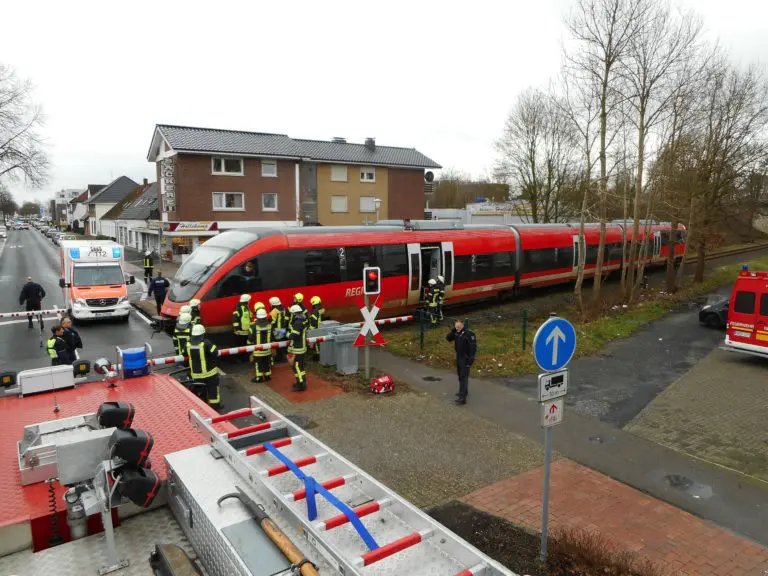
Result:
pixel 603 186
pixel 701 253
pixel 624 242
pixel 671 245
pixel 631 272
pixel 582 251
pixel 687 245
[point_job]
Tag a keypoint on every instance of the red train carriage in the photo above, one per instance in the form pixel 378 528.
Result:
pixel 477 262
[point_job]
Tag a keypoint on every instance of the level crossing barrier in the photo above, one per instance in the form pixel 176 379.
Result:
pixel 24 314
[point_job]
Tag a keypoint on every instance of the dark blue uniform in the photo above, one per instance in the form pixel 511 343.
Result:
pixel 465 343
pixel 159 286
pixel 32 293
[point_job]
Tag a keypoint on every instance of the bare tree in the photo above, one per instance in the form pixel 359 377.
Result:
pixel 30 209
pixel 21 149
pixel 661 44
pixel 535 154
pixel 603 30
pixel 8 205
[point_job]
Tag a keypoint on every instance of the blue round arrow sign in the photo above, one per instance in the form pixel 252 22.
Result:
pixel 554 344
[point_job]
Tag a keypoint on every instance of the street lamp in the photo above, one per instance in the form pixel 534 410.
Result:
pixel 376 205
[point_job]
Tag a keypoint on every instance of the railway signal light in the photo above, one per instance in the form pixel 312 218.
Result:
pixel 371 280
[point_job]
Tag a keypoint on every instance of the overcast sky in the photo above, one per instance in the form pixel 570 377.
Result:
pixel 436 76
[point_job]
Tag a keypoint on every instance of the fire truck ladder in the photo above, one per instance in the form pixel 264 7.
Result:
pixel 356 523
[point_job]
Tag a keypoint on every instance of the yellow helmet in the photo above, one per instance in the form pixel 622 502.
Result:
pixel 258 306
pixel 315 300
pixel 298 297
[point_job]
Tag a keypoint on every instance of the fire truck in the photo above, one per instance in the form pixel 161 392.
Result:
pixel 117 468
pixel 747 327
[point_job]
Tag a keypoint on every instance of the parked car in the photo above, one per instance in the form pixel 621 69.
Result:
pixel 50 232
pixel 715 313
pixel 55 237
pixel 3 232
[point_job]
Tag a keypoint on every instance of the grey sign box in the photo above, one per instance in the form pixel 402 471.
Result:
pixel 553 385
pixel 77 457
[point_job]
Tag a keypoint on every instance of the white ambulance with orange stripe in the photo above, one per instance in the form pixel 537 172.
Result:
pixel 747 329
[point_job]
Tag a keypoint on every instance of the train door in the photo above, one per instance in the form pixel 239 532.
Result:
pixel 448 266
pixel 414 274
pixel 431 259
pixel 575 253
pixel 657 245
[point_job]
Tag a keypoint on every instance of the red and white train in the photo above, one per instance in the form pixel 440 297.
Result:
pixel 477 262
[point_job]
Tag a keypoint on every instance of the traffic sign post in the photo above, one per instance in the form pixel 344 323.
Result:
pixel 553 347
pixel 371 286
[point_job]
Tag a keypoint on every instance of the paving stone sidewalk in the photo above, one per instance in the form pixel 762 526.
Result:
pixel 583 498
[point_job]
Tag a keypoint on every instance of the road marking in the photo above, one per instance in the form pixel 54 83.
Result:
pixel 140 315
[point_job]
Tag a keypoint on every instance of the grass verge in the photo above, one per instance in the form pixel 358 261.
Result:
pixel 500 350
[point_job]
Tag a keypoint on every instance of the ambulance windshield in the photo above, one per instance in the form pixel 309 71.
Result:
pixel 97 276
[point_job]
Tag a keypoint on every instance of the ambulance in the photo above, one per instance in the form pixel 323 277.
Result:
pixel 747 328
pixel 93 280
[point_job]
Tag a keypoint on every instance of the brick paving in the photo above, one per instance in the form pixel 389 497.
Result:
pixel 283 380
pixel 716 411
pixel 583 498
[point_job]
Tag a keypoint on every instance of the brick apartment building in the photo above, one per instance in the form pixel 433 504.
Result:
pixel 212 180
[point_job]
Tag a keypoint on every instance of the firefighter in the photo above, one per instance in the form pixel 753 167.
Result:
pixel 57 346
pixel 182 333
pixel 440 285
pixel 298 300
pixel 194 305
pixel 297 348
pixel 261 333
pixel 32 293
pixel 433 298
pixel 241 318
pixel 203 364
pixel 315 318
pixel 148 264
pixel 279 327
pixel 258 306
pixel 159 286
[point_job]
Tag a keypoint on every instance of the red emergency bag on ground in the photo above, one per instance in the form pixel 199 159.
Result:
pixel 382 385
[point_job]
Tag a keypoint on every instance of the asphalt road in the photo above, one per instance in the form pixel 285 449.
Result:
pixel 28 253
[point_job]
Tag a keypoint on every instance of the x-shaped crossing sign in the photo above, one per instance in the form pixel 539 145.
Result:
pixel 369 327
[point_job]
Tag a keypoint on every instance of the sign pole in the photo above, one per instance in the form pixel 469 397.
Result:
pixel 367 348
pixel 545 507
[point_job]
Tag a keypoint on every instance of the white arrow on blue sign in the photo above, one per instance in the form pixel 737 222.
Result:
pixel 554 344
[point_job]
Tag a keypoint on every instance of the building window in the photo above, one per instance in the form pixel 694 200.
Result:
pixel 367 174
pixel 367 204
pixel 338 173
pixel 228 201
pixel 269 202
pixel 269 168
pixel 228 166
pixel 338 203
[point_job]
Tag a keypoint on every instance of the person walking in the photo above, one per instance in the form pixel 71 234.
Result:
pixel 261 333
pixel 72 339
pixel 159 286
pixel 203 364
pixel 315 319
pixel 433 299
pixel 279 327
pixel 440 286
pixel 465 343
pixel 57 347
pixel 148 265
pixel 297 349
pixel 32 293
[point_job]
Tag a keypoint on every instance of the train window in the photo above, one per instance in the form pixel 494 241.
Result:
pixel 564 257
pixel 463 272
pixel 282 269
pixel 614 252
pixel 591 254
pixel 665 237
pixel 322 266
pixel 764 305
pixel 415 263
pixel 393 259
pixel 358 257
pixel 744 303
pixel 502 264
pixel 448 272
pixel 484 266
pixel 242 279
pixel 539 260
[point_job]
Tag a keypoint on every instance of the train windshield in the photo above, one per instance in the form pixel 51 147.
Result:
pixel 196 270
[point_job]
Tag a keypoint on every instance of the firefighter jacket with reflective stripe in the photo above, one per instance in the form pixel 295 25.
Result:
pixel 202 358
pixel 433 297
pixel 316 317
pixel 303 314
pixel 147 261
pixel 298 335
pixel 440 291
pixel 261 333
pixel 57 349
pixel 279 322
pixel 180 338
pixel 241 319
pixel 196 316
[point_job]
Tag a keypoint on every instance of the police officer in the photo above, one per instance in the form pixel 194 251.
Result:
pixel 440 285
pixel 194 310
pixel 159 286
pixel 297 347
pixel 203 364
pixel 57 347
pixel 241 318
pixel 72 339
pixel 315 318
pixel 433 299
pixel 279 326
pixel 182 334
pixel 32 293
pixel 261 333
pixel 148 265
pixel 465 343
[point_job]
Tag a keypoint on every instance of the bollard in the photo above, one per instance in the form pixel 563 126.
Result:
pixel 525 326
pixel 421 328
